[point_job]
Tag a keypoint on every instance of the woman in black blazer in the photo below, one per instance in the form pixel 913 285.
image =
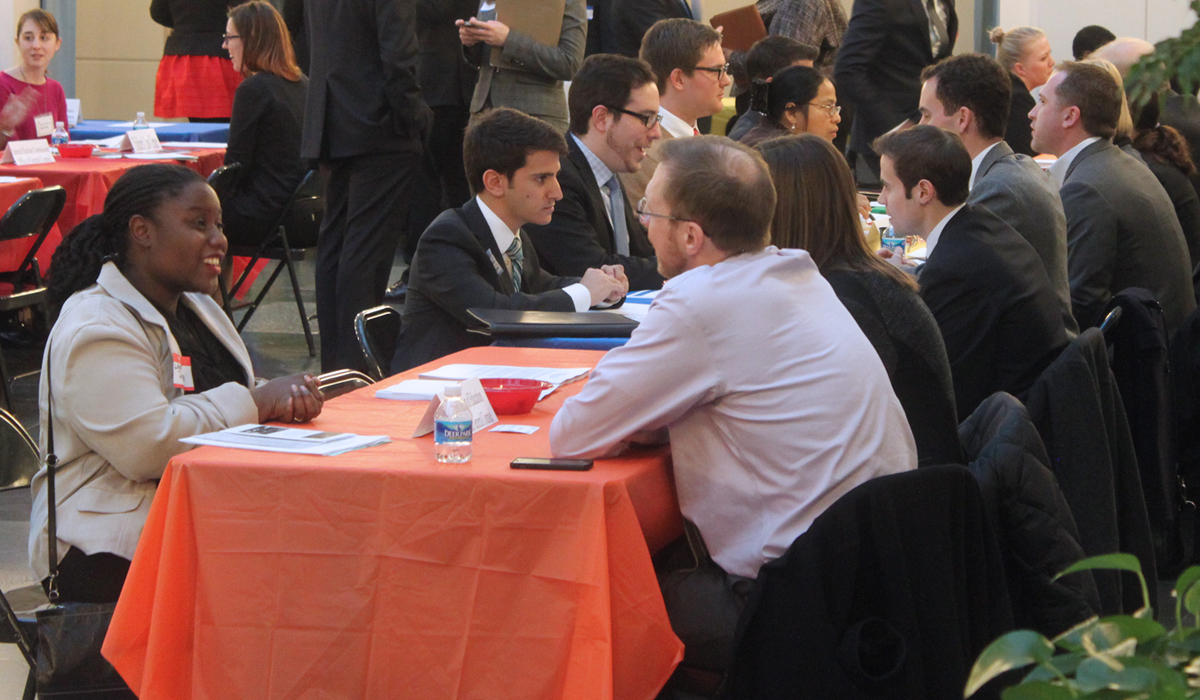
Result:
pixel 195 77
pixel 268 116
pixel 817 210
pixel 1025 54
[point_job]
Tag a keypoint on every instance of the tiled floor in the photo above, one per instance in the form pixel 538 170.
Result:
pixel 276 343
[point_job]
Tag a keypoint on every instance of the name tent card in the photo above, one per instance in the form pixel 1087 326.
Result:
pixel 73 110
pixel 27 152
pixel 141 141
pixel 482 414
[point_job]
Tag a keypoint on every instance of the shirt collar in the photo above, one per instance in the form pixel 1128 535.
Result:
pixel 500 231
pixel 977 161
pixel 674 125
pixel 601 171
pixel 1058 171
pixel 932 239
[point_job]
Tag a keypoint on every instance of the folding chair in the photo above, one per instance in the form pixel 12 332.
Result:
pixel 342 381
pixel 377 329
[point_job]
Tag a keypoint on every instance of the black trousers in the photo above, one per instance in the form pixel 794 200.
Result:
pixel 95 578
pixel 444 184
pixel 366 211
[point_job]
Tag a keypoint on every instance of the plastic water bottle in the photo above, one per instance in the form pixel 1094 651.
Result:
pixel 60 135
pixel 140 122
pixel 452 428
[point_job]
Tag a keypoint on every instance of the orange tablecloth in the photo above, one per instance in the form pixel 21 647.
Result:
pixel 87 182
pixel 12 253
pixel 383 574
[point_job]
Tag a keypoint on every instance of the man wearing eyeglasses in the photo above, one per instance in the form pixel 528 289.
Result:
pixel 614 120
pixel 775 402
pixel 687 59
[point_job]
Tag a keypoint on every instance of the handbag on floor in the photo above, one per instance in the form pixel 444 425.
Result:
pixel 70 635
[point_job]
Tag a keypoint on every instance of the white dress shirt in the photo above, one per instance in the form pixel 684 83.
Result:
pixel 601 172
pixel 504 236
pixel 976 161
pixel 674 125
pixel 1058 171
pixel 932 239
pixel 775 410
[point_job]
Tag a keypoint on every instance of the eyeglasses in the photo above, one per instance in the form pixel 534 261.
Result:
pixel 644 216
pixel 227 37
pixel 650 120
pixel 831 109
pixel 720 71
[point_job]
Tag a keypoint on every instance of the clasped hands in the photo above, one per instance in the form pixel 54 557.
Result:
pixel 293 399
pixel 607 285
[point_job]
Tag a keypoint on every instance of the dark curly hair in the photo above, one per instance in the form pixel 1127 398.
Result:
pixel 140 191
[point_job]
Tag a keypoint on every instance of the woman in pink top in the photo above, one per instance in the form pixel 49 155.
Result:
pixel 32 101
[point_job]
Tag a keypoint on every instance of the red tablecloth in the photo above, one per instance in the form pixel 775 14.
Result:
pixel 12 253
pixel 383 574
pixel 87 182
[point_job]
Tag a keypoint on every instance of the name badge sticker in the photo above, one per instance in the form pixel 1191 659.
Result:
pixel 183 372
pixel 44 124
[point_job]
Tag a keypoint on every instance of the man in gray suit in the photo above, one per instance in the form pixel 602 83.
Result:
pixel 969 95
pixel 1121 227
pixel 529 77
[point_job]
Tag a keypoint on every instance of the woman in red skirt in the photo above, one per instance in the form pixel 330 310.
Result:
pixel 195 78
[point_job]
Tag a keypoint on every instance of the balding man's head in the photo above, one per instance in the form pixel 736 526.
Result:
pixel 722 186
pixel 1123 52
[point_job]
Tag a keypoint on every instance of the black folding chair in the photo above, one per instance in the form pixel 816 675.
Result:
pixel 342 381
pixel 31 216
pixel 19 461
pixel 377 329
pixel 289 240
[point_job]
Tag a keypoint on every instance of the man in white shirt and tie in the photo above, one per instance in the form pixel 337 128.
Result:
pixel 614 120
pixel 478 256
pixel 687 59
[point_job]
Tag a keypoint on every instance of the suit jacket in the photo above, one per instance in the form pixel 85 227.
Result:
pixel 580 235
pixel 631 19
pixel 878 71
pixel 446 79
pixel 1016 189
pixel 1019 134
pixel 362 95
pixel 535 86
pixel 1183 197
pixel 995 306
pixel 634 184
pixel 1122 232
pixel 452 272
pixel 293 17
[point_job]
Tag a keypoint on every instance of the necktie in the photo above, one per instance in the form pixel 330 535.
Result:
pixel 616 207
pixel 517 257
pixel 937 27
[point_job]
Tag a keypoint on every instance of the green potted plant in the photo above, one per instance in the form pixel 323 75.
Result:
pixel 1120 656
pixel 1177 58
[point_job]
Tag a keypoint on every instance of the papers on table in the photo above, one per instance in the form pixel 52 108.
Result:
pixel 4 179
pixel 554 375
pixel 159 156
pixel 636 305
pixel 413 389
pixel 194 144
pixel 152 125
pixel 111 142
pixel 276 438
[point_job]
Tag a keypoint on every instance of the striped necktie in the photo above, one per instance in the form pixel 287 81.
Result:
pixel 516 256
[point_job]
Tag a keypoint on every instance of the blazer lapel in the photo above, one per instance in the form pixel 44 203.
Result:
pixel 1100 145
pixel 478 226
pixel 998 151
pixel 579 160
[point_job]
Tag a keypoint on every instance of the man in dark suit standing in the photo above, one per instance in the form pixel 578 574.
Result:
pixel 614 119
pixel 631 18
pixel 478 256
pixel 878 71
pixel 1122 230
pixel 985 285
pixel 365 122
pixel 969 95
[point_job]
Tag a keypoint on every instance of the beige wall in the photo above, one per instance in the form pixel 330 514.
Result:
pixel 966 18
pixel 10 10
pixel 116 56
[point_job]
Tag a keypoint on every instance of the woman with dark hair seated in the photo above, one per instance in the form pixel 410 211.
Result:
pixel 268 117
pixel 799 100
pixel 816 211
pixel 1169 157
pixel 139 357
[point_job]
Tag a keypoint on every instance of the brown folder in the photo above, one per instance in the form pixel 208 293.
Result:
pixel 540 19
pixel 743 27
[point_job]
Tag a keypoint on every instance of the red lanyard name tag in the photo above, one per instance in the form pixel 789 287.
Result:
pixel 183 372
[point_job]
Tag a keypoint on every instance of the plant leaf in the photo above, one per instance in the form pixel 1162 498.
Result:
pixel 1117 560
pixel 1140 629
pixel 1065 663
pixel 1013 650
pixel 1094 675
pixel 1039 690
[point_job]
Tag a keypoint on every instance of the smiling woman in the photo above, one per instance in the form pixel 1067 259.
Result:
pixel 139 357
pixel 32 101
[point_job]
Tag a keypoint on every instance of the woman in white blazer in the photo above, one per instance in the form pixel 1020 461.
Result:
pixel 139 357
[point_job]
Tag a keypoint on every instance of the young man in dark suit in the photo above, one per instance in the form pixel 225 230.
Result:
pixel 477 256
pixel 614 119
pixel 365 122
pixel 1122 230
pixel 878 73
pixel 969 95
pixel 985 285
